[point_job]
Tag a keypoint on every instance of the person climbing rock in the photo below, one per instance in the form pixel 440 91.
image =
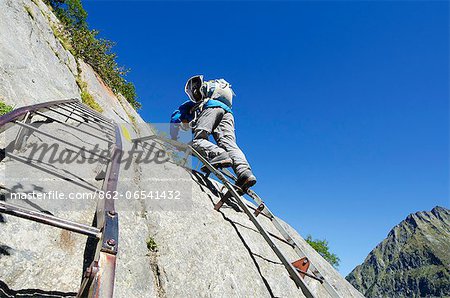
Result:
pixel 209 111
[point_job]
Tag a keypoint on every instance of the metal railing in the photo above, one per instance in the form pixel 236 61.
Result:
pixel 98 278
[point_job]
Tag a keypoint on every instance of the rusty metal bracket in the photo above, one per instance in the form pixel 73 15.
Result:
pixel 259 209
pixel 302 266
pixel 225 198
pixel 110 233
pixel 88 277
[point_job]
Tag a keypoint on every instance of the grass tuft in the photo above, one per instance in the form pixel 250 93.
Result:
pixel 63 39
pixel 4 108
pixel 132 119
pixel 151 244
pixel 88 99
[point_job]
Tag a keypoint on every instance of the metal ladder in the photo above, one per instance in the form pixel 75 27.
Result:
pixel 297 269
pixel 98 278
pixel 263 209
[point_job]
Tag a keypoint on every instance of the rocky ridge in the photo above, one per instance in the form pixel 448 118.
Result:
pixel 413 260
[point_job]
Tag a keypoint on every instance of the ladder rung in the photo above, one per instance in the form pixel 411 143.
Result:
pixel 73 127
pixel 309 275
pixel 50 220
pixel 39 165
pixel 259 209
pixel 87 117
pixel 79 121
pixel 89 112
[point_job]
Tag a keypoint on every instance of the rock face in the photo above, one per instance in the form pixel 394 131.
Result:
pixel 35 67
pixel 413 261
pixel 31 57
pixel 164 251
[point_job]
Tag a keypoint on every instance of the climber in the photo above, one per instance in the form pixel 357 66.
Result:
pixel 209 112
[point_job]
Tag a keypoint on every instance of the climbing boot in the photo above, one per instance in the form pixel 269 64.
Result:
pixel 222 160
pixel 246 180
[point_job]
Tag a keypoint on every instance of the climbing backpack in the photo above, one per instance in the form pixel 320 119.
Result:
pixel 200 92
pixel 220 90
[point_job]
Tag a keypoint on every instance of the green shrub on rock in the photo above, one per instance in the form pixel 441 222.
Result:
pixel 4 108
pixel 95 51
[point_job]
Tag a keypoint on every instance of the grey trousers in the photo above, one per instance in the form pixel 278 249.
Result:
pixel 220 124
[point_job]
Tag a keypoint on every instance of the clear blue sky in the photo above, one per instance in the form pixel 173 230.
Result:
pixel 342 107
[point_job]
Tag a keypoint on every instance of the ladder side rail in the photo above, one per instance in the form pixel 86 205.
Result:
pixel 22 133
pixel 99 278
pixel 294 244
pixel 19 114
pixel 291 270
pixel 330 289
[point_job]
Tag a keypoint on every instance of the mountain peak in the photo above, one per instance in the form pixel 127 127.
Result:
pixel 442 212
pixel 411 261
